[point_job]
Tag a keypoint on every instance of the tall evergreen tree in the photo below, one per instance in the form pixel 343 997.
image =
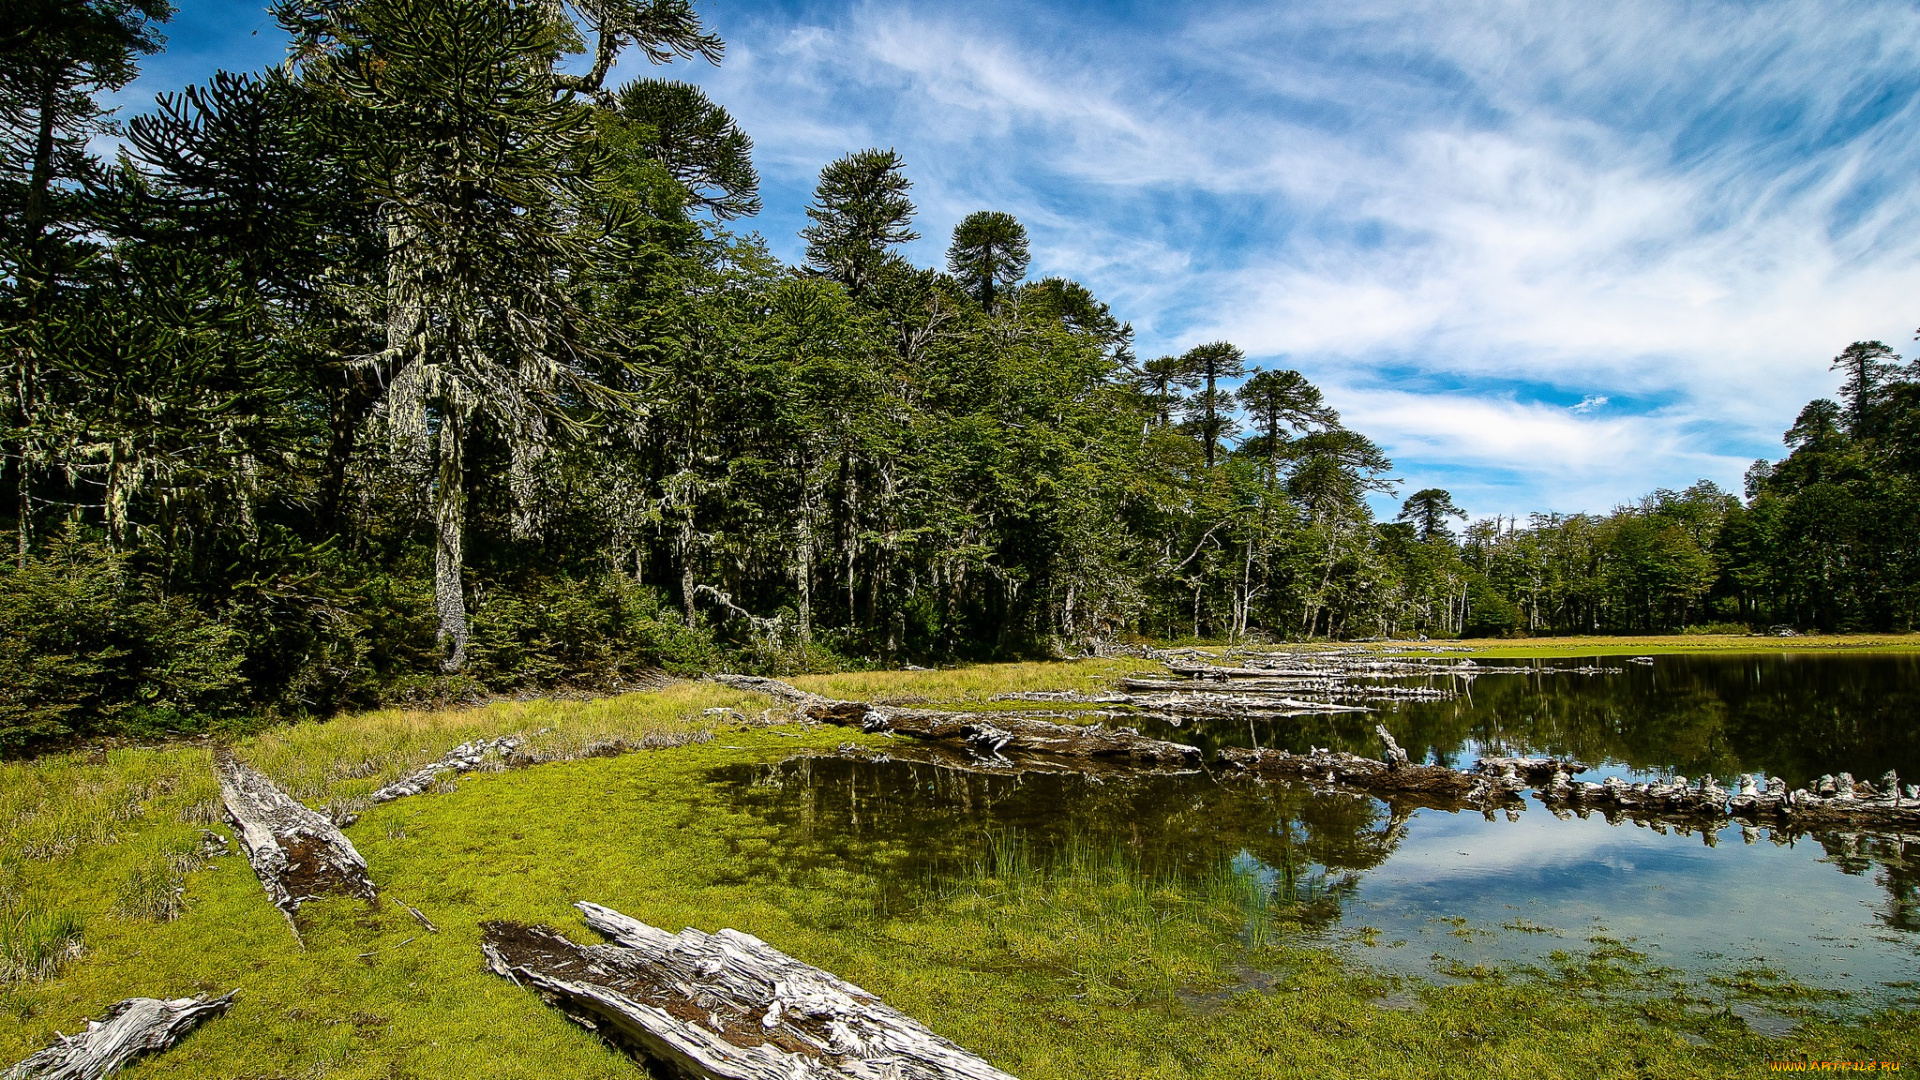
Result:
pixel 988 254
pixel 1210 412
pixel 56 58
pixel 1427 510
pixel 482 164
pixel 1280 403
pixel 1868 365
pixel 696 141
pixel 860 212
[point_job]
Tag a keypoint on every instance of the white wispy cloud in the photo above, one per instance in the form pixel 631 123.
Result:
pixel 1677 208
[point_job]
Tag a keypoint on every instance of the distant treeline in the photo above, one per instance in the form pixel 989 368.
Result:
pixel 427 366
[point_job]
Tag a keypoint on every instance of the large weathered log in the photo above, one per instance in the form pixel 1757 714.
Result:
pixel 133 1027
pixel 723 1006
pixel 465 758
pixel 1436 784
pixel 296 853
pixel 988 735
pixel 1667 799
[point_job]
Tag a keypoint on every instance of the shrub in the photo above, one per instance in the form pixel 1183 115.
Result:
pixel 84 651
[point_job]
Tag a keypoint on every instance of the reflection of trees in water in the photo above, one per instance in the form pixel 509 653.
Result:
pixel 901 822
pixel 1894 862
pixel 1792 716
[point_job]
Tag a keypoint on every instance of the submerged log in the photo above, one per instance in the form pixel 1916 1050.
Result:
pixel 1660 799
pixel 724 1005
pixel 133 1027
pixel 1536 771
pixel 988 735
pixel 1444 787
pixel 296 853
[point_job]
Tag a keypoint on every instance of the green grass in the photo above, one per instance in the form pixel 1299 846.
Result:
pixel 1605 645
pixel 1064 966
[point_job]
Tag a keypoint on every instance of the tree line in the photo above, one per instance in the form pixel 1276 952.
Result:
pixel 430 363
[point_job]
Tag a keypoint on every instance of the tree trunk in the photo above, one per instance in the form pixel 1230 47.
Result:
pixel 723 1006
pixel 133 1027
pixel 803 577
pixel 34 280
pixel 449 520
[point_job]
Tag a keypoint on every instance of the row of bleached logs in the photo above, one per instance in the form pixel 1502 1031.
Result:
pixel 1495 781
pixel 988 735
pixel 724 1006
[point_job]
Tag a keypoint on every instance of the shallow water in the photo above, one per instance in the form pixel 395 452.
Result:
pixel 1431 893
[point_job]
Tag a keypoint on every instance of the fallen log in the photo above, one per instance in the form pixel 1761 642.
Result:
pixel 724 1005
pixel 296 853
pixel 1660 799
pixel 133 1027
pixel 1536 771
pixel 1443 787
pixel 960 759
pixel 988 735
pixel 465 758
pixel 1832 801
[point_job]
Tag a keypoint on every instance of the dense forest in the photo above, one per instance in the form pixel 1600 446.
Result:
pixel 432 363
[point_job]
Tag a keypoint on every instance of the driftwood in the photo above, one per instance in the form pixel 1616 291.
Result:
pixel 1833 800
pixel 988 735
pixel 1669 798
pixel 296 853
pixel 1494 782
pixel 725 1005
pixel 1437 784
pixel 465 758
pixel 133 1027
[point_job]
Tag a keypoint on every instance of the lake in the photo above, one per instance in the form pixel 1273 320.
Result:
pixel 1829 919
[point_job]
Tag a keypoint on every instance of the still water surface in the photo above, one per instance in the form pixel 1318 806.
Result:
pixel 1435 892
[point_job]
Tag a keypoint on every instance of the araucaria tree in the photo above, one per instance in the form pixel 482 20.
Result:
pixel 482 164
pixel 860 213
pixel 430 361
pixel 1210 412
pixel 988 255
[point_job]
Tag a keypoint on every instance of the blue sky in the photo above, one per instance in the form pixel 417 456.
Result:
pixel 1551 255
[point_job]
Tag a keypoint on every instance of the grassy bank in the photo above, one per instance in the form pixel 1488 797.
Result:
pixel 1641 645
pixel 1063 966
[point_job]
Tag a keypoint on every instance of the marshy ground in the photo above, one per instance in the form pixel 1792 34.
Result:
pixel 1079 959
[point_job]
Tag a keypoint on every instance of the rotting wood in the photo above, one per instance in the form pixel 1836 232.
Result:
pixel 133 1027
pixel 988 735
pixel 960 759
pixel 465 758
pixel 724 1006
pixel 297 853
pixel 1495 782
pixel 1437 784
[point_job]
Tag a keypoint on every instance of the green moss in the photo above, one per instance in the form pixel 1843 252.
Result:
pixel 1074 965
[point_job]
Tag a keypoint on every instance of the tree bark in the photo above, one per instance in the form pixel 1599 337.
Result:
pixel 449 521
pixel 133 1027
pixel 723 1006
pixel 297 853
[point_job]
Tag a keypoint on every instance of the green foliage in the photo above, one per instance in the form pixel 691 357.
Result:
pixel 860 212
pixel 988 255
pixel 83 652
pixel 547 632
pixel 425 369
